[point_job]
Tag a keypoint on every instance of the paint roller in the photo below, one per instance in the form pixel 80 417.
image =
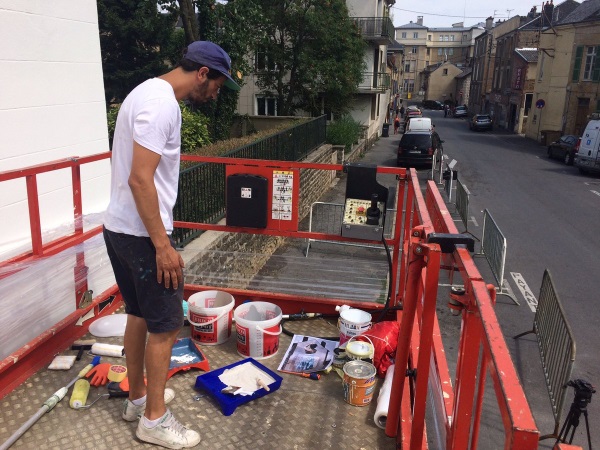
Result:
pixel 48 405
pixel 79 394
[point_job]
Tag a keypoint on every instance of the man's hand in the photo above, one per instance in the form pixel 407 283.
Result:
pixel 169 265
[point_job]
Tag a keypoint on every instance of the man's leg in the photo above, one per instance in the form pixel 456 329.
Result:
pixel 158 357
pixel 135 345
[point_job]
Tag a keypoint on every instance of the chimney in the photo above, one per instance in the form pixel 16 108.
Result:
pixel 419 20
pixel 489 23
pixel 547 13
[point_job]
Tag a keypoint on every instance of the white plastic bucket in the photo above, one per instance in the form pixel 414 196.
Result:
pixel 257 326
pixel 210 314
pixel 353 322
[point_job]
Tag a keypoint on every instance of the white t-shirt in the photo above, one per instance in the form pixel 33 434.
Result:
pixel 150 115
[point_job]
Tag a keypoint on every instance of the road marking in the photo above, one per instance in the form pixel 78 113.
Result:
pixel 595 192
pixel 525 291
pixel 474 221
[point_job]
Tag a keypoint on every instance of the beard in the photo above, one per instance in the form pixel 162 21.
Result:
pixel 200 94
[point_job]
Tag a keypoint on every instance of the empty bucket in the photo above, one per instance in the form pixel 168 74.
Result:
pixel 257 326
pixel 353 322
pixel 210 315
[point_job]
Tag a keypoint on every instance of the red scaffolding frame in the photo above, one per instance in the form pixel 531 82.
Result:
pixel 416 265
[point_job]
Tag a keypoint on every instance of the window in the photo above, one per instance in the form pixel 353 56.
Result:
pixel 407 67
pixel 445 38
pixel 262 62
pixel 451 51
pixel 416 35
pixel 414 50
pixel 428 49
pixel 440 51
pixel 428 37
pixel 445 72
pixel 441 37
pixel 451 38
pixel 266 106
pixel 592 65
pixel 404 35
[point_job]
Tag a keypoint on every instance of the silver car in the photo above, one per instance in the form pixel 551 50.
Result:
pixel 461 111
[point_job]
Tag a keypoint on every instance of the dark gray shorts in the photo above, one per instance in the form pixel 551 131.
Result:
pixel 133 260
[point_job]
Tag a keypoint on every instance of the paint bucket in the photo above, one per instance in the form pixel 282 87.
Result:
pixel 359 382
pixel 210 314
pixel 360 350
pixel 353 322
pixel 257 325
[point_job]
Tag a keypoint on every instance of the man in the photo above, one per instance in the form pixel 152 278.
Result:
pixel 137 228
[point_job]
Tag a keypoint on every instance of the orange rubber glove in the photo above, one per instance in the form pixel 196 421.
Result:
pixel 100 373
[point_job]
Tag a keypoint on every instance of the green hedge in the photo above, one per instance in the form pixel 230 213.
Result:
pixel 344 131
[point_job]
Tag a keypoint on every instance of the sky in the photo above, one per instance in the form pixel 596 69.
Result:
pixel 443 13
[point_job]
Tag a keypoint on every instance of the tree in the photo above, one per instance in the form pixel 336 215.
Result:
pixel 309 53
pixel 134 39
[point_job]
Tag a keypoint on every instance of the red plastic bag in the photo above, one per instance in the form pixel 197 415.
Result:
pixel 384 337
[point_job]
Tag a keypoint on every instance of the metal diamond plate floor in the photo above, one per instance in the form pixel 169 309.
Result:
pixel 302 414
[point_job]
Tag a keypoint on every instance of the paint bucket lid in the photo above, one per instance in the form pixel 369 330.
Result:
pixel 359 369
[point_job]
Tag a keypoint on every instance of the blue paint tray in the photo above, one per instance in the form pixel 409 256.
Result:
pixel 211 384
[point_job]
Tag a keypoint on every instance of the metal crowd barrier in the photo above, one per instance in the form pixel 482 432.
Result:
pixel 462 203
pixel 327 218
pixel 493 247
pixel 557 347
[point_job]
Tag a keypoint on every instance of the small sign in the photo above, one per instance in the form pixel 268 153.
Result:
pixel 246 193
pixel 540 104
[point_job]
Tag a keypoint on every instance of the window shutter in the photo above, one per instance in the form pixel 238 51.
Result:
pixel 577 66
pixel 596 68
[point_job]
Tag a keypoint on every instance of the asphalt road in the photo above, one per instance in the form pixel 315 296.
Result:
pixel 549 214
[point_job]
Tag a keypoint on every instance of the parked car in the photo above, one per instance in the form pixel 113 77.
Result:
pixel 565 148
pixel 418 147
pixel 418 124
pixel 461 111
pixel 481 122
pixel 587 158
pixel 412 111
pixel 432 104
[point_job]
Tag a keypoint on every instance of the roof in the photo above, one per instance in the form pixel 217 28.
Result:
pixel 560 11
pixel 528 54
pixel 395 46
pixel 588 11
pixel 412 25
pixel 466 72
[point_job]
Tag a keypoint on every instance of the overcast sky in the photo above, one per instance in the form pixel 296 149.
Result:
pixel 443 13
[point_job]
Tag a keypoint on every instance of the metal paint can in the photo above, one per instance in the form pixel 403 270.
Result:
pixel 359 382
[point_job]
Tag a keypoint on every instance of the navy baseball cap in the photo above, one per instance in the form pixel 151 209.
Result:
pixel 212 56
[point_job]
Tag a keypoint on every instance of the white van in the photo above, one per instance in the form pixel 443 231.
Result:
pixel 587 159
pixel 419 124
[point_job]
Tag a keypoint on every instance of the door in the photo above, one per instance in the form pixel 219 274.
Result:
pixel 583 109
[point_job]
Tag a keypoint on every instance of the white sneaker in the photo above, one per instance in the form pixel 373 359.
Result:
pixel 132 412
pixel 168 433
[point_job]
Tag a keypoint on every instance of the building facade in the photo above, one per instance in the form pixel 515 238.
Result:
pixel 426 49
pixel 568 73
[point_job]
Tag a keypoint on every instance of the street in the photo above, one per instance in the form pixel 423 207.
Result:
pixel 548 213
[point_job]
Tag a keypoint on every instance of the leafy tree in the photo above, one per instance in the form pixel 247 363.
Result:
pixel 308 51
pixel 134 37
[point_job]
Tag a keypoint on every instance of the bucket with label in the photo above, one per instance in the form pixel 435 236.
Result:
pixel 359 382
pixel 210 316
pixel 257 326
pixel 353 322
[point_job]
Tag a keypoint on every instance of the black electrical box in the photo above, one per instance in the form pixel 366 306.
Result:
pixel 247 200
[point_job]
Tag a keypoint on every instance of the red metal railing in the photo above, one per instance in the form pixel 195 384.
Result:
pixel 415 265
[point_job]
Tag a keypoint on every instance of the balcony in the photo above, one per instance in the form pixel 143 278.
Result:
pixel 374 82
pixel 379 30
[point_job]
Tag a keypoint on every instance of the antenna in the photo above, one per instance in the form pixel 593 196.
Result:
pixel 508 12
